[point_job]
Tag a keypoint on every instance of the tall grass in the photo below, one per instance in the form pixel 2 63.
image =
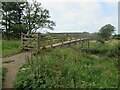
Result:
pixel 109 48
pixel 67 68
pixel 3 71
pixel 10 47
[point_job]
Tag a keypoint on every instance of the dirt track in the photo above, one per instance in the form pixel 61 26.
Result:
pixel 13 67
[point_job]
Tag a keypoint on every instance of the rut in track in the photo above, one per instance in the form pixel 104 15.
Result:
pixel 13 67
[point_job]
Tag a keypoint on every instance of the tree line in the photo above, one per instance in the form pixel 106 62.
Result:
pixel 24 17
pixel 105 33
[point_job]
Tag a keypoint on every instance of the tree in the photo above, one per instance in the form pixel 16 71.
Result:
pixel 106 31
pixel 24 17
pixel 13 18
pixel 37 17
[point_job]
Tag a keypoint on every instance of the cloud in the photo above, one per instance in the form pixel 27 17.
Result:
pixel 77 0
pixel 74 16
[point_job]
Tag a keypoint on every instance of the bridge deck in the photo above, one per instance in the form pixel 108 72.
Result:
pixel 65 43
pixel 60 44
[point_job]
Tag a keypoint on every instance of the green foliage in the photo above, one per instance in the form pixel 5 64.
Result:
pixel 114 50
pixel 94 36
pixel 106 31
pixel 2 75
pixel 37 17
pixel 4 70
pixel 23 17
pixel 67 68
pixel 117 37
pixel 111 49
pixel 13 18
pixel 10 47
pixel 97 48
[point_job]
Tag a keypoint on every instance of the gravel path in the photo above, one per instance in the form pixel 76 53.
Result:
pixel 16 61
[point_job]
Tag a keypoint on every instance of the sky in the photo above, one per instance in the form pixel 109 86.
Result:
pixel 82 15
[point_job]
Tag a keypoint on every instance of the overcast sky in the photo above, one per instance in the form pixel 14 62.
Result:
pixel 82 15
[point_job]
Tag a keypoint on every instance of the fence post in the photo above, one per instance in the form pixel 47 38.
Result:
pixel 88 43
pixel 51 41
pixel 61 42
pixel 21 41
pixel 38 42
pixel 70 41
pixel 82 43
pixel 76 40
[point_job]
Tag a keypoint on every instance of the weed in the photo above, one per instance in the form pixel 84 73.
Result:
pixel 10 47
pixel 66 68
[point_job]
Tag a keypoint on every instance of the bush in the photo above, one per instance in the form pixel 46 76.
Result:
pixel 111 49
pixel 114 51
pixel 66 68
pixel 2 74
pixel 98 48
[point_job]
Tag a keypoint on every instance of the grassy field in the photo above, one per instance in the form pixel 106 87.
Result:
pixel 94 67
pixel 10 47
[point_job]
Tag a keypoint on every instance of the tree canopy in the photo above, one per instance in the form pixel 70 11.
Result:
pixel 106 31
pixel 24 17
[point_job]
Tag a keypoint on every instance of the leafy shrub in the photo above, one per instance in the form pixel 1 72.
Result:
pixel 66 68
pixel 97 48
pixel 2 74
pixel 4 70
pixel 114 51
pixel 111 49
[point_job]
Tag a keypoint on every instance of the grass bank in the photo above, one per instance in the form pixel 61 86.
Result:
pixel 10 47
pixel 2 75
pixel 69 68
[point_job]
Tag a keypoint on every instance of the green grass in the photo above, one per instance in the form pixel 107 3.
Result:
pixel 109 48
pixel 2 75
pixel 68 68
pixel 4 70
pixel 10 47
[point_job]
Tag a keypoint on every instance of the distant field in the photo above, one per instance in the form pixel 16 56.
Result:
pixel 10 47
pixel 94 67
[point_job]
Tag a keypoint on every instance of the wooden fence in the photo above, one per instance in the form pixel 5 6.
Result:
pixel 33 42
pixel 29 41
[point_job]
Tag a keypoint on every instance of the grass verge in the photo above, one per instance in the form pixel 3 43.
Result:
pixel 10 47
pixel 68 68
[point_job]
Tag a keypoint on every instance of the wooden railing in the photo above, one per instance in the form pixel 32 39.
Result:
pixel 33 42
pixel 29 41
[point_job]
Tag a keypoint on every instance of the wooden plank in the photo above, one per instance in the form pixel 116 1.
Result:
pixel 48 46
pixel 26 48
pixel 29 38
pixel 30 35
pixel 57 44
pixel 66 42
pixel 29 41
pixel 29 46
pixel 34 39
pixel 21 40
